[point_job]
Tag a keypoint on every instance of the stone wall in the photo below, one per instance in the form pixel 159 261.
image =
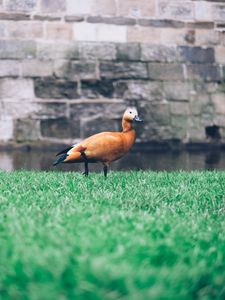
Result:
pixel 69 68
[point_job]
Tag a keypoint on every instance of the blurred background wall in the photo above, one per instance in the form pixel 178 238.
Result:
pixel 69 68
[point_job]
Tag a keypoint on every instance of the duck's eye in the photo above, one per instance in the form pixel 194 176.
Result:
pixel 130 112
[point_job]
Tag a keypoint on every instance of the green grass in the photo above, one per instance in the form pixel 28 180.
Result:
pixel 134 236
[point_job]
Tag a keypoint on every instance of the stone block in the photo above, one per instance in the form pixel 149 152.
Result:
pixel 181 90
pixel 202 11
pixel 49 6
pixel 50 110
pixel 11 88
pixel 137 34
pixel 100 32
pixel 26 130
pixel 156 114
pixel 179 108
pixel 6 128
pixel 159 71
pixel 15 49
pixel 219 103
pixel 14 16
pixel 18 5
pixel 219 12
pixel 3 29
pixel 98 124
pixel 25 30
pixel 175 10
pixel 200 104
pixel 158 53
pixel 36 68
pixel 128 51
pixel 104 8
pixel 55 88
pixel 57 50
pixel 204 72
pixel 61 128
pixel 220 54
pixel 161 23
pixel 136 8
pixel 206 37
pixel 14 109
pixel 97 88
pixel 83 8
pixel 74 18
pixel 123 70
pixel 59 31
pixel 93 51
pixel 180 36
pixel 111 20
pixel 196 54
pixel 139 90
pixel 9 68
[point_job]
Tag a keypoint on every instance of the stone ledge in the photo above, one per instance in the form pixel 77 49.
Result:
pixel 111 20
pixel 14 16
pixel 160 23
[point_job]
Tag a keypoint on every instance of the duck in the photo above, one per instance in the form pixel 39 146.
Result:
pixel 103 147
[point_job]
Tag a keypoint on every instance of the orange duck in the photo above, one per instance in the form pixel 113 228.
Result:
pixel 103 147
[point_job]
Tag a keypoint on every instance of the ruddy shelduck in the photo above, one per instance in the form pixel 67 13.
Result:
pixel 103 147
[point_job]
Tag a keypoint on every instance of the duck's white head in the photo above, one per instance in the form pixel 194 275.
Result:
pixel 131 114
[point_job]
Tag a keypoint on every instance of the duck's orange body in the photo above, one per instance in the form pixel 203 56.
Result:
pixel 103 147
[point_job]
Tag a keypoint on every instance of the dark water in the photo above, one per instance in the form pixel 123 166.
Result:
pixel 156 161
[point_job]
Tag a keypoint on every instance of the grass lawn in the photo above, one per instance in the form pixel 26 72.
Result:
pixel 134 236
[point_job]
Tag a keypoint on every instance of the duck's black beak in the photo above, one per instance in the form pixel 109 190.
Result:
pixel 137 119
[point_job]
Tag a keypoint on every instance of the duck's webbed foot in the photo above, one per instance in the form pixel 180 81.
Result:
pixel 86 171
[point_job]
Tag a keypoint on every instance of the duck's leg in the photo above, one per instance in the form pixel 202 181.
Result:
pixel 105 168
pixel 86 171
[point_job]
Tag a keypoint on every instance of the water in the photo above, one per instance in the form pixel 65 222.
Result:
pixel 156 161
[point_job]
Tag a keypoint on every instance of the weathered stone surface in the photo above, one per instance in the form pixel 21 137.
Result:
pixel 11 88
pixel 17 49
pixel 61 128
pixel 36 68
pixel 12 108
pixel 26 130
pixel 25 30
pixel 100 32
pixel 161 23
pixel 204 72
pixel 123 70
pixel 89 51
pixel 9 68
pixel 6 128
pixel 96 125
pixel 136 8
pixel 14 16
pixel 165 71
pixel 74 70
pixel 175 10
pixel 74 18
pixel 104 8
pixel 200 25
pixel 219 103
pixel 220 55
pixel 97 88
pixel 57 50
pixel 51 110
pixel 202 10
pixel 129 51
pixel 137 34
pixel 59 31
pixel 47 17
pixel 179 90
pixel 206 37
pixel 55 88
pixel 53 6
pixel 201 104
pixel 190 37
pixel 84 7
pixel 219 12
pixel 196 54
pixel 179 108
pixel 139 90
pixel 158 53
pixel 111 20
pixel 17 5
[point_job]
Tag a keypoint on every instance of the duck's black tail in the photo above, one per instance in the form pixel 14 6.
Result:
pixel 60 159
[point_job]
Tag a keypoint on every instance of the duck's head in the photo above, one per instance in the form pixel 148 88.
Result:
pixel 131 115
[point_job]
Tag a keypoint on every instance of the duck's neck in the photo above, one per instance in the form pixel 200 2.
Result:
pixel 127 126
